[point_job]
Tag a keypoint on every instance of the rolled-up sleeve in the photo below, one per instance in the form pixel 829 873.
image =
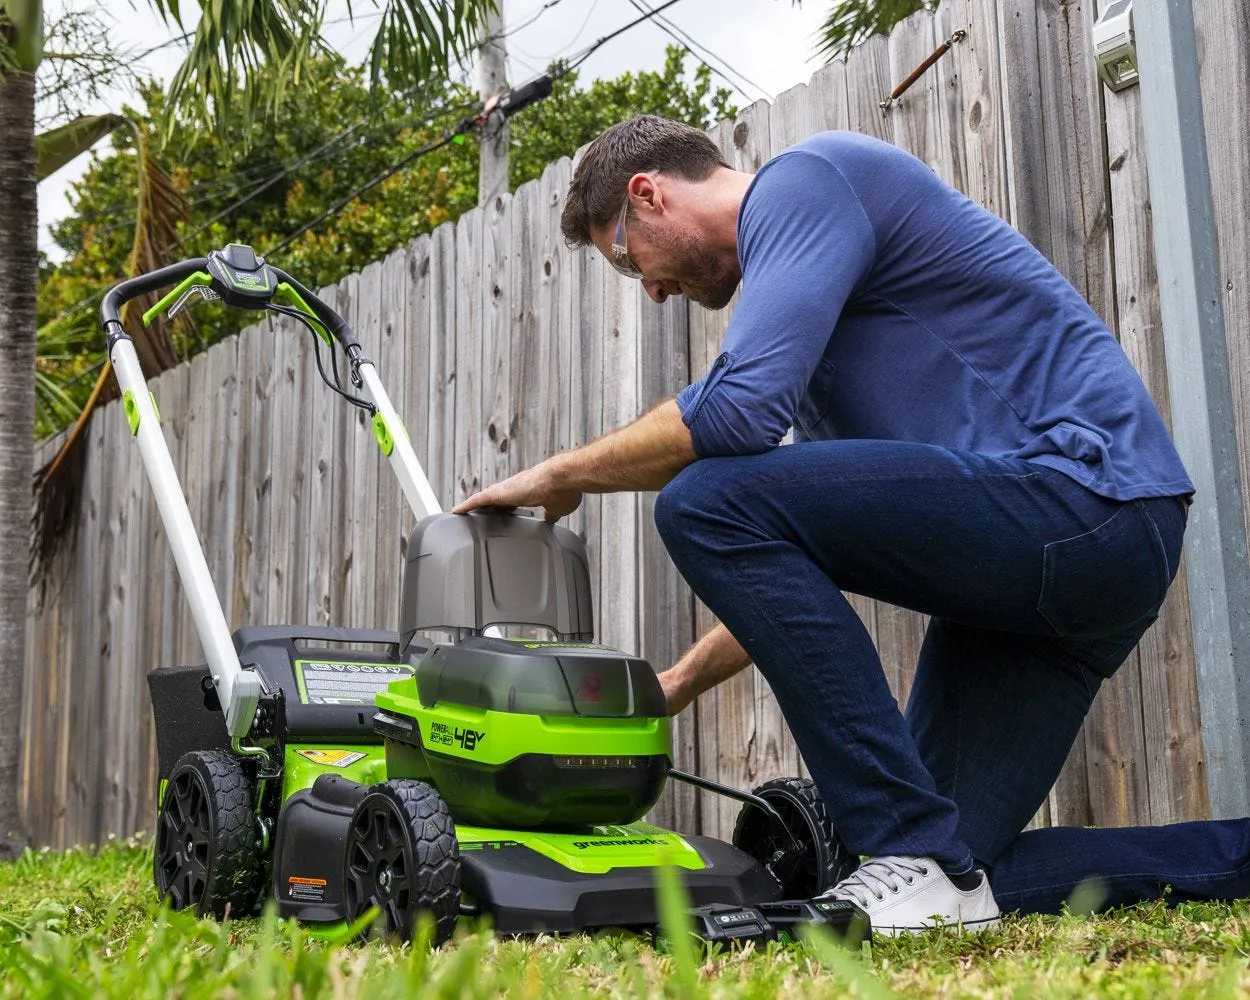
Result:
pixel 805 244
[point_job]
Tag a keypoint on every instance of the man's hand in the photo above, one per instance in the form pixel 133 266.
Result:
pixel 536 487
pixel 642 456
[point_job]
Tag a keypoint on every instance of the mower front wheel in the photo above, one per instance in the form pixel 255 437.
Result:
pixel 206 854
pixel 403 858
pixel 815 859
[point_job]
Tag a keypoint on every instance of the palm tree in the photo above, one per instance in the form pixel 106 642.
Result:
pixel 243 56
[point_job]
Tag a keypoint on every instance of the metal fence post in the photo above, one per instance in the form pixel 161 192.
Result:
pixel 1200 387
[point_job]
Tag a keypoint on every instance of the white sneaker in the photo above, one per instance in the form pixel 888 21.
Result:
pixel 907 895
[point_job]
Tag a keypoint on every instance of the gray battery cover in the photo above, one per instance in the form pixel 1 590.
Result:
pixel 465 572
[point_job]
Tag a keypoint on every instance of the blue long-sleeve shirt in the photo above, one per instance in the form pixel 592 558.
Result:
pixel 879 302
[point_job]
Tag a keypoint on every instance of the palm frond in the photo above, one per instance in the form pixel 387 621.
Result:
pixel 56 147
pixel 244 55
pixel 851 22
pixel 420 37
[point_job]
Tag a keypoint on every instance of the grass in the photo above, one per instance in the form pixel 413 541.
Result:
pixel 83 924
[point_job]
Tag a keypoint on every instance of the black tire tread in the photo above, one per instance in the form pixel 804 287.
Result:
pixel 436 852
pixel 233 858
pixel 840 862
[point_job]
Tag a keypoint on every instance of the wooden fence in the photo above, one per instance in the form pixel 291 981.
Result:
pixel 501 347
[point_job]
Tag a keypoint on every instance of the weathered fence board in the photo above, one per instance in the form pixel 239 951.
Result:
pixel 500 347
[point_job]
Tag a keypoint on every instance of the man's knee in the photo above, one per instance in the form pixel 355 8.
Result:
pixel 679 504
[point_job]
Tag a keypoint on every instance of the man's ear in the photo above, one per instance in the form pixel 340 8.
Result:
pixel 645 191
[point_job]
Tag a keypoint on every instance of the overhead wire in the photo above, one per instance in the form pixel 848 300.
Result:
pixel 594 47
pixel 528 21
pixel 684 39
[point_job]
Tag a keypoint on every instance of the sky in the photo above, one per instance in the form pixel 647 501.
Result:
pixel 759 48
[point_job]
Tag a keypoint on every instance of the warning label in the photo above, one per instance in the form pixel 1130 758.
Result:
pixel 332 758
pixel 325 682
pixel 306 890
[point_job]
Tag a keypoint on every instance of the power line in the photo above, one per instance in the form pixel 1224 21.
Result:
pixel 328 151
pixel 595 46
pixel 551 55
pixel 342 203
pixel 530 20
pixel 683 39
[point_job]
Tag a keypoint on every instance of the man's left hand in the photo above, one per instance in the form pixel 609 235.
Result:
pixel 536 487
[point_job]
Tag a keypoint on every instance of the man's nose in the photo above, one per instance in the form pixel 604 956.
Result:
pixel 656 290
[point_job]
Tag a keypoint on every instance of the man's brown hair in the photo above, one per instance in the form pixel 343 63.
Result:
pixel 644 144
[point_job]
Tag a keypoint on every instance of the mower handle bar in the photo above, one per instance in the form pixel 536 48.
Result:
pixel 162 277
pixel 238 689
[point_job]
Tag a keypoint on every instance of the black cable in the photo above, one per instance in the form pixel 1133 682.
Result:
pixel 336 385
pixel 338 206
pixel 241 179
pixel 526 23
pixel 568 67
pixel 683 38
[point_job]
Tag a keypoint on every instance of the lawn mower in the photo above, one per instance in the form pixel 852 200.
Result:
pixel 489 759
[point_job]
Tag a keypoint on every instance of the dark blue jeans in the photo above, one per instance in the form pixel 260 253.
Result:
pixel 1037 588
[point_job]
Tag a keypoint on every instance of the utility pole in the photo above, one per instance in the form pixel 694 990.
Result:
pixel 493 169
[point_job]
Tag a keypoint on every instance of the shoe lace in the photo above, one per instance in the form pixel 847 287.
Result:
pixel 876 876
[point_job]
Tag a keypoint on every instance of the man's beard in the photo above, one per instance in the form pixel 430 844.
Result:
pixel 703 279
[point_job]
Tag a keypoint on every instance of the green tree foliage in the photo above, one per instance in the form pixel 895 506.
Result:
pixel 329 137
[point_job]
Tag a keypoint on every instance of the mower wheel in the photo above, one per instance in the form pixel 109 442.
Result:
pixel 403 858
pixel 206 854
pixel 820 860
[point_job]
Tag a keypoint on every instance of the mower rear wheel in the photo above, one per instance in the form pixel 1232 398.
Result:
pixel 206 854
pixel 403 858
pixel 818 862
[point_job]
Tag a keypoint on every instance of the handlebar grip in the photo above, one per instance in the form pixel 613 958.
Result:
pixel 330 319
pixel 119 295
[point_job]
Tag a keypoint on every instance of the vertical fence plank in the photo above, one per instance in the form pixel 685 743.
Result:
pixel 344 570
pixel 617 558
pixel 1223 31
pixel 468 429
pixel 497 425
pixel 261 456
pixel 363 504
pixel 388 350
pixel 666 605
pixel 971 83
pixel 531 382
pixel 319 437
pixel 440 286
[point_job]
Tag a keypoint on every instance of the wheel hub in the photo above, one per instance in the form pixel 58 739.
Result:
pixel 384 878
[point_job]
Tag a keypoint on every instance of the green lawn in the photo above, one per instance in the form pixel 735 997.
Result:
pixel 84 925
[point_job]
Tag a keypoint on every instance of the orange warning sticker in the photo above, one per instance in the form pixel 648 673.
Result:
pixel 306 890
pixel 331 757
